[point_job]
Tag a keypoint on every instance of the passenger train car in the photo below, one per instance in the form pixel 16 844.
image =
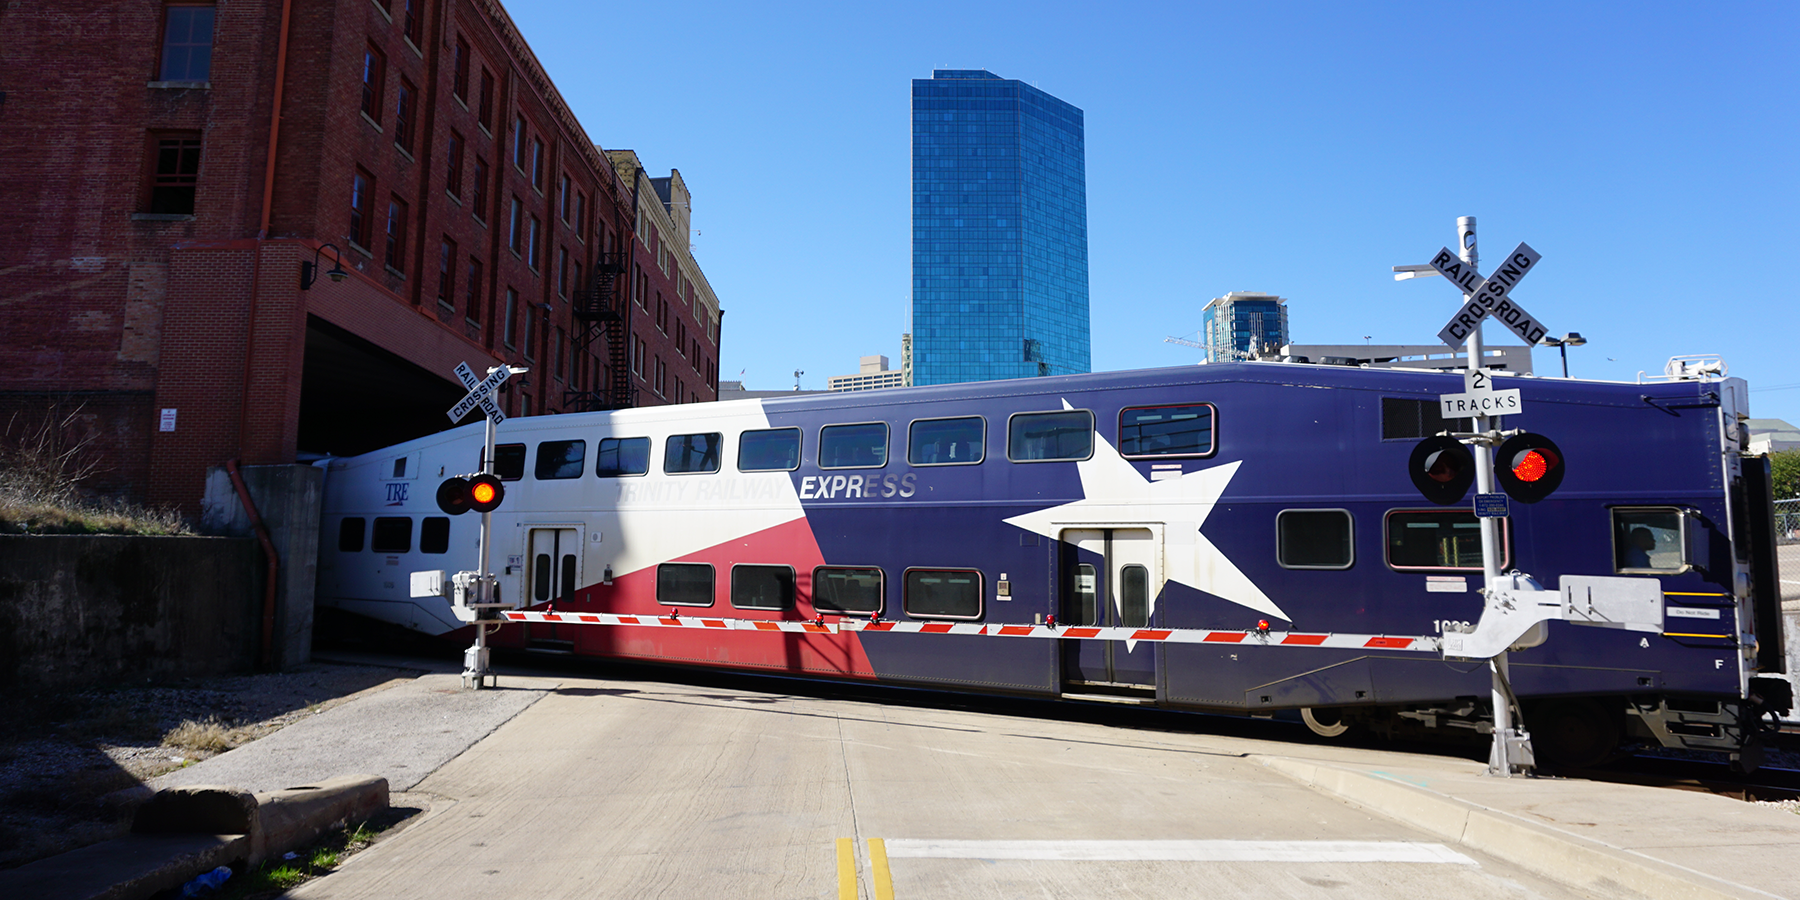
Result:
pixel 1264 510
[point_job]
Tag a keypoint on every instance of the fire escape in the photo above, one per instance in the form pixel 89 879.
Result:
pixel 602 312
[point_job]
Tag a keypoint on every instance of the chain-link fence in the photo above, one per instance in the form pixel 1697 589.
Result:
pixel 1787 521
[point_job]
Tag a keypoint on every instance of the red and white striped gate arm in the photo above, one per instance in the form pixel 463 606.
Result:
pixel 1059 632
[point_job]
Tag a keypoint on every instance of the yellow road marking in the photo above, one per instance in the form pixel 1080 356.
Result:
pixel 846 854
pixel 884 881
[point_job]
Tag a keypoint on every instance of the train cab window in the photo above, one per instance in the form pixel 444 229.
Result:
pixel 434 534
pixel 560 459
pixel 861 446
pixel 1648 540
pixel 1437 540
pixel 1185 430
pixel 350 534
pixel 847 589
pixel 762 587
pixel 618 457
pixel 946 442
pixel 769 450
pixel 509 461
pixel 684 584
pixel 943 594
pixel 1314 539
pixel 688 453
pixel 1050 436
pixel 1407 419
pixel 392 534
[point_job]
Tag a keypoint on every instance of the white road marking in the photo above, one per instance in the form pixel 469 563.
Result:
pixel 1182 851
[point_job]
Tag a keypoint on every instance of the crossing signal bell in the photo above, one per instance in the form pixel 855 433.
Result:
pixel 1528 467
pixel 1442 469
pixel 461 493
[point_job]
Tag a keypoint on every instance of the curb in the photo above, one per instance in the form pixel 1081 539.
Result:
pixel 182 832
pixel 1570 859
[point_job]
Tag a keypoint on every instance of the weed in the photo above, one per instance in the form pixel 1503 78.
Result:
pixel 42 471
pixel 207 735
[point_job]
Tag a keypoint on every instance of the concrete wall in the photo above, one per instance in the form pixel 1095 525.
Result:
pixel 289 499
pixel 84 609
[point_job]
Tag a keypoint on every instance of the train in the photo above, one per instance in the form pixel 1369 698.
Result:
pixel 1238 538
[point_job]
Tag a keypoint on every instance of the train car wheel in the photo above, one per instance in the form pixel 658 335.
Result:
pixel 1324 722
pixel 1574 734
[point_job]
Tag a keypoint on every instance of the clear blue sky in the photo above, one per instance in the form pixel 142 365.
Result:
pixel 1650 152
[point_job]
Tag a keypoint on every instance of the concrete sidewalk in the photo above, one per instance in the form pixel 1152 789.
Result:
pixel 1612 839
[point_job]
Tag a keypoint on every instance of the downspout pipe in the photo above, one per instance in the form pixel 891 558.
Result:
pixel 266 649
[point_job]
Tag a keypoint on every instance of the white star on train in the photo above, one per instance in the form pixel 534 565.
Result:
pixel 1115 495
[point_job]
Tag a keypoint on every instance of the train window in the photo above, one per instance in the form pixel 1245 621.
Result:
pixel 509 461
pixel 1050 436
pixel 846 589
pixel 943 593
pixel 1134 597
pixel 762 587
pixel 392 534
pixel 1087 595
pixel 434 534
pixel 947 442
pixel 350 534
pixel 618 457
pixel 692 453
pixel 1314 539
pixel 560 459
pixel 1406 419
pixel 861 446
pixel 684 584
pixel 1437 540
pixel 1185 430
pixel 770 450
pixel 1648 540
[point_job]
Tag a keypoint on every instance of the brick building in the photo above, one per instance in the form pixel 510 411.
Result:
pixel 423 175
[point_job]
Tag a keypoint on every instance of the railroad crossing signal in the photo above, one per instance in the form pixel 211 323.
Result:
pixel 1489 296
pixel 1530 467
pixel 461 493
pixel 1442 469
pixel 481 393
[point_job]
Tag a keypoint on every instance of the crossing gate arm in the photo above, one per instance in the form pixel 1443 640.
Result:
pixel 1406 643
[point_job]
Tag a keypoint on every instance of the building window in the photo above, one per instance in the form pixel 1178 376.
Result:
pixel 662 313
pixel 519 143
pixel 186 44
pixel 362 201
pixel 1314 539
pixel 453 176
pixel 409 21
pixel 403 116
pixel 637 356
pixel 374 69
pixel 577 281
pixel 447 272
pixel 530 314
pixel 662 378
pixel 459 84
pixel 581 216
pixel 562 271
pixel 473 311
pixel 176 176
pixel 511 313
pixel 515 226
pixel 396 234
pixel 560 358
pixel 537 164
pixel 478 196
pixel 484 111
pixel 562 200
pixel 531 244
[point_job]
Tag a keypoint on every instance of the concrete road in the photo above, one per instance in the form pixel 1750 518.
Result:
pixel 641 789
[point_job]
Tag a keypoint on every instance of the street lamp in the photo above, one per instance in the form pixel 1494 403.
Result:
pixel 1562 345
pixel 309 271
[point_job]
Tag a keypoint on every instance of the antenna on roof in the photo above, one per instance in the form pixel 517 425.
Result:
pixel 797 374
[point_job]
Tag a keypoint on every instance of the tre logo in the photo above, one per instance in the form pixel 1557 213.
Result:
pixel 396 492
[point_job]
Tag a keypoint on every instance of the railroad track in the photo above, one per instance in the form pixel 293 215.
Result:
pixel 1767 783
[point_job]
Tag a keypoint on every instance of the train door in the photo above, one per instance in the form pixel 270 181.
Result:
pixel 552 573
pixel 1109 577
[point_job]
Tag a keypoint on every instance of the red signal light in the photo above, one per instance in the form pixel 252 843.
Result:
pixel 459 494
pixel 1529 467
pixel 1532 466
pixel 482 492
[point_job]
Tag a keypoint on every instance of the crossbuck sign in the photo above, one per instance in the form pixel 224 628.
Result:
pixel 481 394
pixel 1488 296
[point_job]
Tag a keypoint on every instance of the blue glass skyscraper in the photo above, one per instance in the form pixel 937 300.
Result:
pixel 1000 276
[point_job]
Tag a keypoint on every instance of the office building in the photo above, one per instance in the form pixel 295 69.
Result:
pixel 874 374
pixel 1000 273
pixel 1243 325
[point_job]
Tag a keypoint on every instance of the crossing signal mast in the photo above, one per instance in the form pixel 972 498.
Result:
pixel 474 596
